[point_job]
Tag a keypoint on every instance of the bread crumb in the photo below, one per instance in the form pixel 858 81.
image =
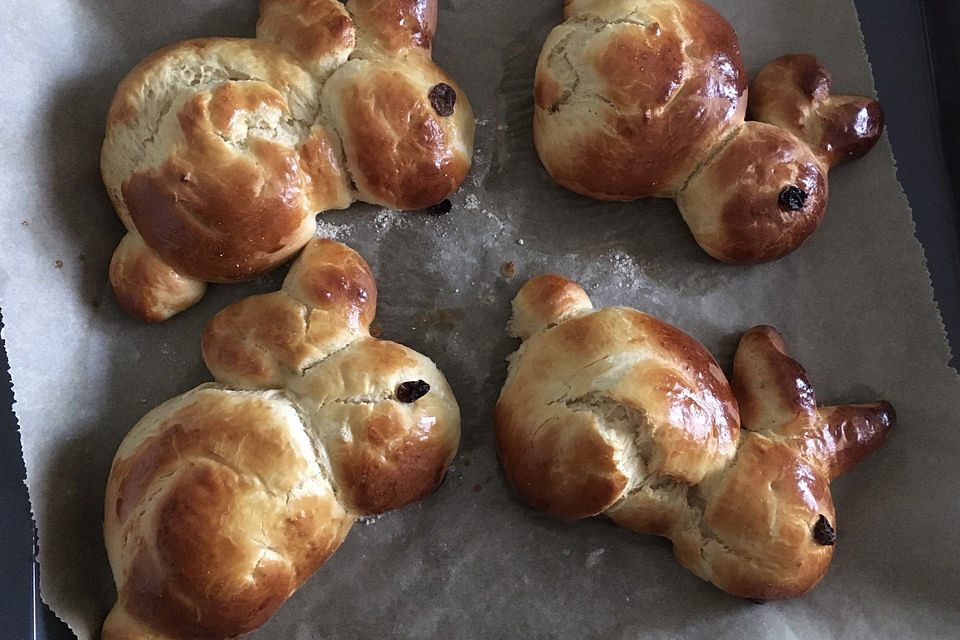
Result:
pixel 477 488
pixel 376 329
pixel 508 270
pixel 594 557
pixel 331 231
pixel 58 263
pixel 443 319
pixel 25 223
pixel 520 241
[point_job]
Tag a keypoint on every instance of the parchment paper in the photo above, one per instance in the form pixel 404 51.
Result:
pixel 854 303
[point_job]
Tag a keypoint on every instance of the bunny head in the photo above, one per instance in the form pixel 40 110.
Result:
pixel 220 151
pixel 224 500
pixel 764 191
pixel 766 527
pixel 639 98
pixel 613 411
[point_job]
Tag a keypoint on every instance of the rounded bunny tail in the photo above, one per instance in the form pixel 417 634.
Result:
pixel 794 93
pixel 146 286
pixel 544 301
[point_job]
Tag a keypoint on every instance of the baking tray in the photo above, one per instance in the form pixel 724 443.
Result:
pixel 917 77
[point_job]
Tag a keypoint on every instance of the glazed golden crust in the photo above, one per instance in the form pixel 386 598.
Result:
pixel 220 151
pixel 219 515
pixel 147 287
pixel 215 214
pixel 395 140
pixel 629 96
pixel 732 204
pixel 648 98
pixel 328 297
pixel 546 299
pixel 613 411
pixel 249 59
pixel 395 454
pixel 319 34
pixel 222 501
pixel 776 396
pixel 604 396
pixel 759 518
pixel 794 92
pixel 396 25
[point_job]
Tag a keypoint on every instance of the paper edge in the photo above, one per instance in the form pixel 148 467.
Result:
pixel 887 147
pixel 37 587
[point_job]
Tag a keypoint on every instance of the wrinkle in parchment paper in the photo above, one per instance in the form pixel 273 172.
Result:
pixel 854 304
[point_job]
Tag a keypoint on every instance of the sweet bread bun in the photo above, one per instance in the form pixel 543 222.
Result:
pixel 612 411
pixel 647 98
pixel 220 151
pixel 224 500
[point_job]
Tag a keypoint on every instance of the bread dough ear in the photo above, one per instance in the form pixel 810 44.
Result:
pixel 319 33
pixel 777 399
pixel 794 93
pixel 396 25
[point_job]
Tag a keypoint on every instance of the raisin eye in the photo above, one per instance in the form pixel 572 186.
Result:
pixel 792 198
pixel 440 209
pixel 411 391
pixel 442 98
pixel 823 533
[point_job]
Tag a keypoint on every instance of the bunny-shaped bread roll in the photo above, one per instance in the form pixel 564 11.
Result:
pixel 647 98
pixel 219 152
pixel 613 411
pixel 222 501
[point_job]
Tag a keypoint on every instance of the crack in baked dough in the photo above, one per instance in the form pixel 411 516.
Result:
pixel 320 457
pixel 320 361
pixel 366 399
pixel 187 83
pixel 715 151
pixel 587 27
pixel 596 20
pixel 623 426
pixel 533 436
